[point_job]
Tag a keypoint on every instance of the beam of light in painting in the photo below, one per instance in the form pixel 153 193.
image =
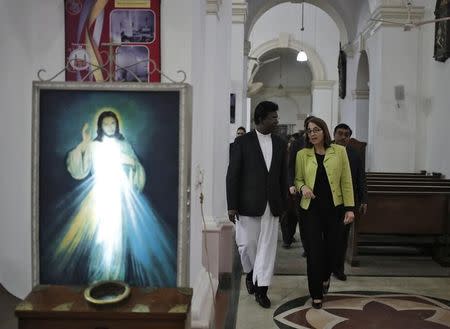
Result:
pixel 110 183
pixel 113 232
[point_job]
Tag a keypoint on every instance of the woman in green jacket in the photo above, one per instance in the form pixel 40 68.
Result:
pixel 322 175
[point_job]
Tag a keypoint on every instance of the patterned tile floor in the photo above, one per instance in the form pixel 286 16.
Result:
pixel 360 302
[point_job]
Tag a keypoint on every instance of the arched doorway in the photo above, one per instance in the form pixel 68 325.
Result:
pixel 287 83
pixel 361 95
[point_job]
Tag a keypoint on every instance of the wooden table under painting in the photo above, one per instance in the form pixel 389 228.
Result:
pixel 64 307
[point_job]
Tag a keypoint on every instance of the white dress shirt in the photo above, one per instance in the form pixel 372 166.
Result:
pixel 265 142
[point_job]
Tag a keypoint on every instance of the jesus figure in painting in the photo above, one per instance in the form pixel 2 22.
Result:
pixel 113 232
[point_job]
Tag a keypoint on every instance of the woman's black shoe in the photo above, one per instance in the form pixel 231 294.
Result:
pixel 340 276
pixel 317 305
pixel 326 287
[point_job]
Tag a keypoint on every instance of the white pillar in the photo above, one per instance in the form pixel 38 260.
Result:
pixel 394 58
pixel 216 75
pixel 323 101
pixel 238 64
pixel 213 114
pixel 361 99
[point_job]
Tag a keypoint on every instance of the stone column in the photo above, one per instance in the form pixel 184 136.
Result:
pixel 394 56
pixel 323 101
pixel 238 64
pixel 213 131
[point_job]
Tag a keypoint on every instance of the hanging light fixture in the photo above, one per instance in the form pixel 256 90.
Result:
pixel 280 86
pixel 301 56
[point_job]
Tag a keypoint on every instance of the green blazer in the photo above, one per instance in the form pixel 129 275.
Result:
pixel 337 168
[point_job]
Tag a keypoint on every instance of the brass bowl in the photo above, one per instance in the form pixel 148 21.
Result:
pixel 107 292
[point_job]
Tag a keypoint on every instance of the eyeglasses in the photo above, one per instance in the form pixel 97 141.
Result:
pixel 314 130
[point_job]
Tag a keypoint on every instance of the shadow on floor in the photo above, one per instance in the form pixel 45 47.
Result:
pixel 8 303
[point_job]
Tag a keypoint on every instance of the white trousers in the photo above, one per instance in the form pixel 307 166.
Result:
pixel 256 238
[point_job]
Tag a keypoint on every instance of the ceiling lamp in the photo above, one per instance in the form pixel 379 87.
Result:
pixel 301 56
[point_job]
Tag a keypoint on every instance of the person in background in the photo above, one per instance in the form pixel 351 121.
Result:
pixel 239 132
pixel 289 221
pixel 342 134
pixel 256 193
pixel 322 175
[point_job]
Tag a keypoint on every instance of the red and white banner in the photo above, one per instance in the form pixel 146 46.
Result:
pixel 112 40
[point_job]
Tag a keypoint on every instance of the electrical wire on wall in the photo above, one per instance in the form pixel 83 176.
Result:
pixel 205 245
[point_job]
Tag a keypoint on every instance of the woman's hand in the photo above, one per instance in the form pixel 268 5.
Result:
pixel 307 192
pixel 349 217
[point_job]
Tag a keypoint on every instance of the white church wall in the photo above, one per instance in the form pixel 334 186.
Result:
pixel 420 122
pixel 438 146
pixel 393 123
pixel 177 30
pixel 238 77
pixel 435 104
pixel 32 37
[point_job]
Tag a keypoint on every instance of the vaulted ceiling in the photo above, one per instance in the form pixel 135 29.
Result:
pixel 344 12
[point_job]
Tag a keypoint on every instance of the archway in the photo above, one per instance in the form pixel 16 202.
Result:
pixel 361 95
pixel 287 83
pixel 314 61
pixel 322 4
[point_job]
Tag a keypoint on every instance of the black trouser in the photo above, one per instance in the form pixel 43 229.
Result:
pixel 323 231
pixel 290 219
pixel 342 250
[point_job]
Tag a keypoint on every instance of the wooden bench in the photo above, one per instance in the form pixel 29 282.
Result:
pixel 404 206
pixel 408 175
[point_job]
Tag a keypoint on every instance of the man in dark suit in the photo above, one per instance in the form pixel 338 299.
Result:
pixel 256 191
pixel 342 134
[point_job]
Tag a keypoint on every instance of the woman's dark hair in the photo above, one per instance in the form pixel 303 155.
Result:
pixel 263 109
pixel 100 133
pixel 326 133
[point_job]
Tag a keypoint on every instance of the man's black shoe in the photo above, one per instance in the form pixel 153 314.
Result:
pixel 250 286
pixel 340 276
pixel 262 300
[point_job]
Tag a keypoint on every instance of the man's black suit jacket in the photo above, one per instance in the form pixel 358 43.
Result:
pixel 249 184
pixel 296 146
pixel 358 175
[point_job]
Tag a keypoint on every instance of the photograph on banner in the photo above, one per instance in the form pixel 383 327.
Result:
pixel 95 32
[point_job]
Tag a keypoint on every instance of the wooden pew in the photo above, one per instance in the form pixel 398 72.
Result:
pixel 404 206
